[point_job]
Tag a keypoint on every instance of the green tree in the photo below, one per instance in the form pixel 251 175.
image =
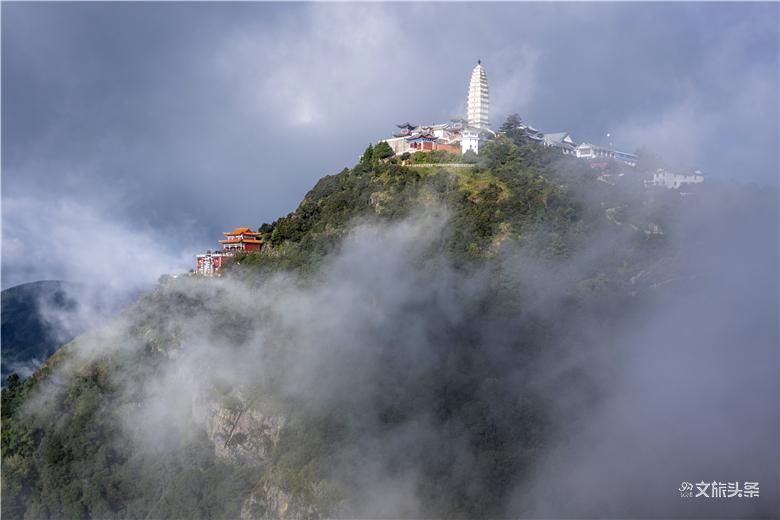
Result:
pixel 513 129
pixel 368 155
pixel 13 382
pixel 382 151
pixel 470 157
pixel 512 123
pixel 419 158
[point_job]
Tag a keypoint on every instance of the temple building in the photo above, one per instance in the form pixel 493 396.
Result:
pixel 459 135
pixel 591 151
pixel 478 101
pixel 416 138
pixel 239 240
pixel 561 140
pixel 469 134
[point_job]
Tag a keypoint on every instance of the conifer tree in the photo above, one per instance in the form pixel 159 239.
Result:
pixel 382 151
pixel 367 155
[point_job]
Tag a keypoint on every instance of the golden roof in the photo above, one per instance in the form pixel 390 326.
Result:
pixel 241 231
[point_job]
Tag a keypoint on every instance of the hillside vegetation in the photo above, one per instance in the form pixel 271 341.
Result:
pixel 529 195
pixel 323 377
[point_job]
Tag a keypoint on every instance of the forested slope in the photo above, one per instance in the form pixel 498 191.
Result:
pixel 412 342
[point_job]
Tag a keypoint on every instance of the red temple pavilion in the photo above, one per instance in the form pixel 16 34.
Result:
pixel 239 240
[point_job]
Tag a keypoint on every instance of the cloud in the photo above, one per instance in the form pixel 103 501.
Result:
pixel 171 108
pixel 708 125
pixel 488 384
pixel 72 241
pixel 515 80
pixel 140 132
pixel 336 58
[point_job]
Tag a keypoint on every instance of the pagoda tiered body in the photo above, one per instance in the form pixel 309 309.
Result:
pixel 478 100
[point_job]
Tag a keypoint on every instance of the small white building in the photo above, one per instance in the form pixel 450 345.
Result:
pixel 592 151
pixel 674 181
pixel 469 140
pixel 209 263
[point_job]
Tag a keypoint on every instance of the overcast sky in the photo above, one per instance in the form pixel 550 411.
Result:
pixel 133 134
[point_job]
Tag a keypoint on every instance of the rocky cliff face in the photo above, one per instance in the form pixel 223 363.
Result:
pixel 270 501
pixel 245 436
pixel 242 434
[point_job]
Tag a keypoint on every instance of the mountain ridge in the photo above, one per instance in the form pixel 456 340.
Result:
pixel 397 351
pixel 28 337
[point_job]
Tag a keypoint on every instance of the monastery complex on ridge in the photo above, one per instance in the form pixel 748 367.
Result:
pixel 468 135
pixel 459 136
pixel 464 135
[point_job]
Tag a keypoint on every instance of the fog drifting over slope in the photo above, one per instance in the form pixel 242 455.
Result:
pixel 623 405
pixel 681 385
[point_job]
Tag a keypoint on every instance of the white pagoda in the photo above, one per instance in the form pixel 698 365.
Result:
pixel 478 102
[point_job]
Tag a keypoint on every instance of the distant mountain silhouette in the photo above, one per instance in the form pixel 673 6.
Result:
pixel 29 337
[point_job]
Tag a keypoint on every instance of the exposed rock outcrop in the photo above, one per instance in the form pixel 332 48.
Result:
pixel 243 434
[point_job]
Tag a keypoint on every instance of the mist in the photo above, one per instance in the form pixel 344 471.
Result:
pixel 610 400
pixel 407 384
